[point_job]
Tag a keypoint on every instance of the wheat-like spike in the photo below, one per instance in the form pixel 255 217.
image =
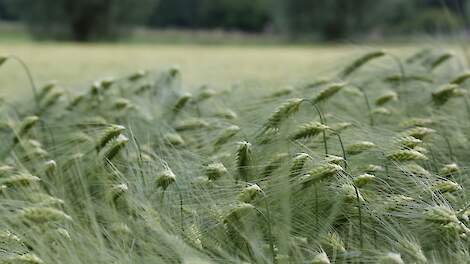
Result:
pixel 28 258
pixel 446 186
pixel 418 55
pixel 419 132
pixel 215 171
pixel 416 170
pixel 181 102
pixel 204 94
pixel 406 155
pixel 385 98
pixel 115 146
pixel 440 215
pixel 359 147
pixel 19 180
pixel 441 59
pixel 75 102
pixel 390 258
pixel 372 168
pixel 226 114
pixel 50 167
pixel 334 159
pixel 239 211
pixel 173 139
pixel 320 258
pixel 3 59
pixel 116 191
pixel 26 124
pixel 243 157
pixel 308 130
pixel 283 92
pixel 42 215
pixel 226 134
pixel 461 78
pixel 106 83
pixel 449 169
pixel 340 127
pixel 409 141
pixel 360 62
pixel 328 92
pixel 137 75
pixel 6 170
pixel 191 124
pixel 282 113
pixel 109 133
pixel 315 84
pixel 52 99
pixel 363 179
pixel 349 194
pixel 165 179
pixel 333 241
pixel 444 93
pixel 319 173
pixel 298 163
pixel 417 122
pixel 408 78
pixel 121 103
pixel 380 111
pixel 46 89
pixel 274 164
pixel 248 194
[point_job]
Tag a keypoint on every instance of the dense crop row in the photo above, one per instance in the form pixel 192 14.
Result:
pixel 369 166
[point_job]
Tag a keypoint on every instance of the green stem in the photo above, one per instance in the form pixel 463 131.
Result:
pixel 323 122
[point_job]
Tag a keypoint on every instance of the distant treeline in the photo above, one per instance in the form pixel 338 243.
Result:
pixel 85 20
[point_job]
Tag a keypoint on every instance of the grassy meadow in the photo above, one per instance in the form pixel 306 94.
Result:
pixel 199 154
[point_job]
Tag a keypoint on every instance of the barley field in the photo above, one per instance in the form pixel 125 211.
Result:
pixel 196 154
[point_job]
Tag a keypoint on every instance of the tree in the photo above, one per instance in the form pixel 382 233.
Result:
pixel 81 20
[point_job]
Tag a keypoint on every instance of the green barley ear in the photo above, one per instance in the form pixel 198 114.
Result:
pixel 115 146
pixel 121 104
pixel 371 168
pixel 238 212
pixel 320 173
pixel 416 170
pixel 409 141
pixel 137 75
pixel 446 186
pixel 441 59
pixel 243 157
pixel 173 139
pixel 19 180
pixel 390 258
pixel 6 170
pixel 440 215
pixel 165 179
pixel 107 83
pixel 349 194
pixel 444 93
pixel 215 171
pixel 406 155
pixel 320 258
pixel 109 133
pixel 298 163
pixel 225 135
pixel 3 59
pixel 360 62
pixel 204 94
pixel 387 97
pixel 328 92
pixel 117 191
pixel 28 258
pixel 42 215
pixel 333 159
pixel 334 242
pixel 248 194
pixel 449 169
pixel 282 113
pixel 416 122
pixel 50 167
pixel 380 111
pixel 181 102
pixel 363 179
pixel 309 130
pixel 52 99
pixel 359 147
pixel 46 89
pixel 191 124
pixel 75 101
pixel 419 132
pixel 274 164
pixel 461 78
pixel 226 114
pixel 26 124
